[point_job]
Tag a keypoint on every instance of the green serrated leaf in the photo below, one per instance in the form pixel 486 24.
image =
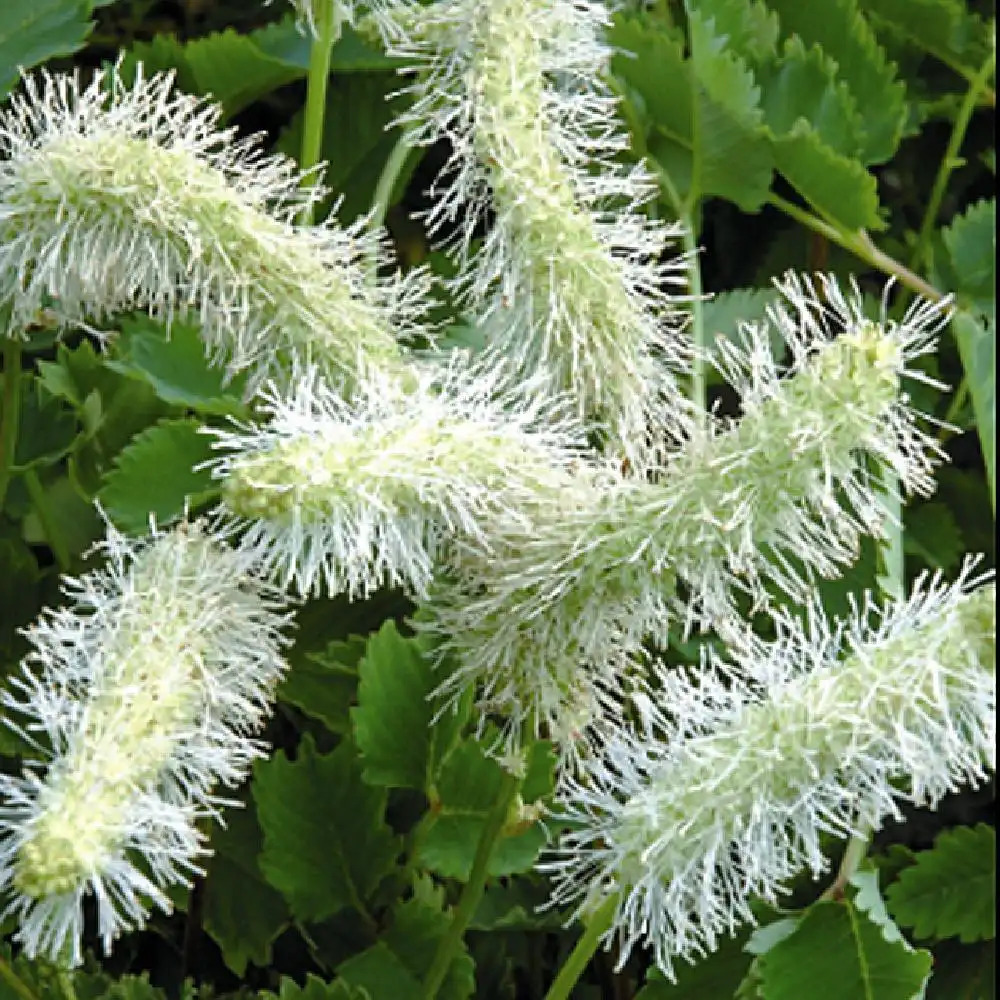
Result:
pixel 174 364
pixel 315 989
pixel 802 86
pixel 868 899
pixel 516 905
pixel 100 987
pixel 156 474
pixel 380 974
pixel 712 97
pixel 716 975
pixel 971 241
pixel 47 427
pixel 837 953
pixel 977 346
pixel 944 28
pixel 731 158
pixel 949 890
pixel 241 912
pixel 468 787
pixel 326 843
pixel 400 744
pixel 837 186
pixel 34 31
pixel 725 313
pixel 417 927
pixel 842 32
pixel 749 28
pixel 324 684
pixel 933 535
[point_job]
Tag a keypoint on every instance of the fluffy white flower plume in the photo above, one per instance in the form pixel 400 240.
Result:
pixel 739 771
pixel 117 197
pixel 140 697
pixel 355 494
pixel 779 496
pixel 310 12
pixel 570 283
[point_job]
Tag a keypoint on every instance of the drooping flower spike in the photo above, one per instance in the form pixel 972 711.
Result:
pixel 117 196
pixel 351 495
pixel 738 771
pixel 778 497
pixel 571 283
pixel 140 697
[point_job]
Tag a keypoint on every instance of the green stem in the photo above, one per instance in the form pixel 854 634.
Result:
pixel 327 33
pixel 699 382
pixel 954 408
pixel 472 892
pixel 950 160
pixel 66 985
pixel 387 181
pixel 854 854
pixel 579 958
pixel 52 532
pixel 10 413
pixel 14 981
pixel 685 213
pixel 860 244
pixel 893 557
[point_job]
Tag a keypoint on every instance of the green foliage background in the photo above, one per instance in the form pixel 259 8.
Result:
pixel 853 136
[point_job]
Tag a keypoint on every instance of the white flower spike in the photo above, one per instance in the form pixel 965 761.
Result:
pixel 781 496
pixel 728 785
pixel 571 282
pixel 140 697
pixel 116 197
pixel 353 495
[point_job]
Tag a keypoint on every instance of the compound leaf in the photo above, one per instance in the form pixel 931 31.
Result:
pixel 949 890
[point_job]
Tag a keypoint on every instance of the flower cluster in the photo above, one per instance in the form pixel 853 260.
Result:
pixel 351 495
pixel 117 197
pixel 554 503
pixel 738 770
pixel 779 497
pixel 570 285
pixel 139 697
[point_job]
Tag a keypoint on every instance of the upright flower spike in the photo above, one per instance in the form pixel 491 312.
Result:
pixel 140 697
pixel 778 497
pixel 570 283
pixel 728 789
pixel 355 494
pixel 117 197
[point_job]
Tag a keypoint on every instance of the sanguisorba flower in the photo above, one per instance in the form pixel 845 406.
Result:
pixel 117 196
pixel 350 495
pixel 570 282
pixel 140 696
pixel 727 787
pixel 777 497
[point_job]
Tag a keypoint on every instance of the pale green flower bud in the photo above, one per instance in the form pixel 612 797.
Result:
pixel 732 780
pixel 141 696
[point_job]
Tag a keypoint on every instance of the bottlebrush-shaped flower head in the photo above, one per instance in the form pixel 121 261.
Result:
pixel 778 497
pixel 140 697
pixel 357 494
pixel 738 771
pixel 118 197
pixel 571 282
